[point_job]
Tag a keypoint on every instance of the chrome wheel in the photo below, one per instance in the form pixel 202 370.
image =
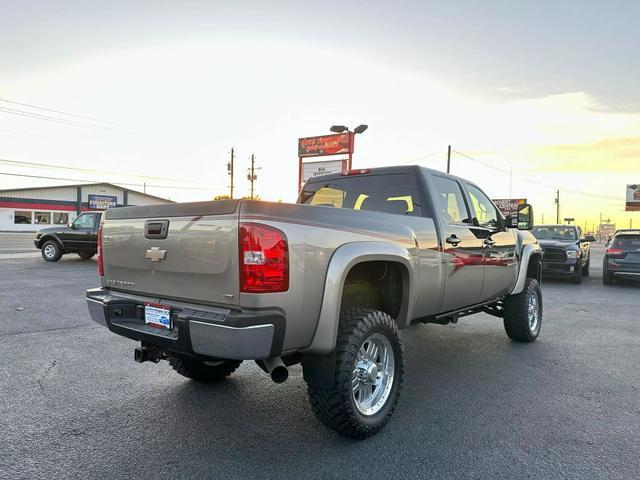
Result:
pixel 373 374
pixel 49 250
pixel 533 311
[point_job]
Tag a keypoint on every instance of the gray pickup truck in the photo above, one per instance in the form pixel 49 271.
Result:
pixel 327 282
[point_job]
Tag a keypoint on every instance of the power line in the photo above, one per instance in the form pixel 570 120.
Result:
pixel 60 111
pixel 15 132
pixel 64 121
pixel 19 163
pixel 548 185
pixel 102 181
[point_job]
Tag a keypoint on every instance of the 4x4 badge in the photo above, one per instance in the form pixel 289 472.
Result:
pixel 155 254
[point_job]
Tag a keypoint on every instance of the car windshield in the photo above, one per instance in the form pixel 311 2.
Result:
pixel 566 234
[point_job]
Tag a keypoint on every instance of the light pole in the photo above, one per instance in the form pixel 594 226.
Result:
pixel 341 129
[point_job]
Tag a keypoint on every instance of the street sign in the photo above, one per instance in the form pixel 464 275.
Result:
pixel 632 202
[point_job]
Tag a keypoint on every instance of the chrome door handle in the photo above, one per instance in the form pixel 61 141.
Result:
pixel 489 243
pixel 453 240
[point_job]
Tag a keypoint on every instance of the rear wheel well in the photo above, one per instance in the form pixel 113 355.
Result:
pixel 376 284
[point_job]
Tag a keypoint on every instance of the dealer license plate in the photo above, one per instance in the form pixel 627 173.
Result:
pixel 157 315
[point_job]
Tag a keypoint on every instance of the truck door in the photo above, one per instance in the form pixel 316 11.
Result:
pixel 82 234
pixel 461 246
pixel 499 245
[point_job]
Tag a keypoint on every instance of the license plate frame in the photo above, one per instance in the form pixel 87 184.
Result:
pixel 158 315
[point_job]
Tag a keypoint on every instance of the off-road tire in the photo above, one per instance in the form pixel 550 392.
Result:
pixel 577 273
pixel 607 278
pixel 516 321
pixel 585 269
pixel 51 251
pixel 203 372
pixel 334 406
pixel 85 255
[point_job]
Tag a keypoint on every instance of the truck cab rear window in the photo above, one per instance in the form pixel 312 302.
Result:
pixel 397 194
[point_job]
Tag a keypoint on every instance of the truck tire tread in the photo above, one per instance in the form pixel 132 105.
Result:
pixel 330 405
pixel 515 313
pixel 59 250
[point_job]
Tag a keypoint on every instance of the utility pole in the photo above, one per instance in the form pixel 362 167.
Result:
pixel 558 207
pixel 600 218
pixel 230 171
pixel 449 159
pixel 251 176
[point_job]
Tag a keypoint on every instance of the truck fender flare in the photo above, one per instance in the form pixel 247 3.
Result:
pixel 50 236
pixel 529 251
pixel 341 263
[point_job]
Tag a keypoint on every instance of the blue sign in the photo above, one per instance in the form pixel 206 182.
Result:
pixel 102 202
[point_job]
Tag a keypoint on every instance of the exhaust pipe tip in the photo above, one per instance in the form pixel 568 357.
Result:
pixel 280 374
pixel 276 369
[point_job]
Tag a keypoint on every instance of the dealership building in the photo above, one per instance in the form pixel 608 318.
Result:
pixel 29 209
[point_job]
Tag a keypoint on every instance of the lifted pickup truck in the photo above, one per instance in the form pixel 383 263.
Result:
pixel 327 282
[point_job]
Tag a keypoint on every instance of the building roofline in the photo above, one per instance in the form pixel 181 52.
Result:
pixel 85 185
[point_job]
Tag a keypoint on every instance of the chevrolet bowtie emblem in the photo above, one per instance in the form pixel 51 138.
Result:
pixel 155 254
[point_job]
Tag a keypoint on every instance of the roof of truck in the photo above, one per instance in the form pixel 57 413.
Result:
pixel 380 171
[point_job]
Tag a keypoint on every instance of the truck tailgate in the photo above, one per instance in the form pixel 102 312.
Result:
pixel 196 261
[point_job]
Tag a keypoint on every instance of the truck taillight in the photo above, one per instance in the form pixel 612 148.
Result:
pixel 100 263
pixel 264 259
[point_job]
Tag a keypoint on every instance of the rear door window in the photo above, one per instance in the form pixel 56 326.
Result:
pixel 389 193
pixel 450 200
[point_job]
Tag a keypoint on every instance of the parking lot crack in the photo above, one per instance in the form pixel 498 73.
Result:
pixel 44 375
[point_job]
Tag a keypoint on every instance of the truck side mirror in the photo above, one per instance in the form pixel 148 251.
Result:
pixel 525 217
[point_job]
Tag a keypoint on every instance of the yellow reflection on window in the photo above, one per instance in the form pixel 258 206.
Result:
pixel 407 199
pixel 327 196
pixel 361 198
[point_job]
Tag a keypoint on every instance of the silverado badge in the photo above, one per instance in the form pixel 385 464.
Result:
pixel 155 254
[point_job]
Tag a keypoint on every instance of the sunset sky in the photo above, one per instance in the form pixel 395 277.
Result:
pixel 546 90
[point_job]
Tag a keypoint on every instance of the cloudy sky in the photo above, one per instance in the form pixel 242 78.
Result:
pixel 545 90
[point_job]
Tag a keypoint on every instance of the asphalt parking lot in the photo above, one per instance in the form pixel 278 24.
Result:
pixel 474 405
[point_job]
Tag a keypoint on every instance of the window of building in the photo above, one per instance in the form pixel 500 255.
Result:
pixel 60 218
pixel 42 217
pixel 22 216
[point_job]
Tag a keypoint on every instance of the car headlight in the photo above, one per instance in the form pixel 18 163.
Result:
pixel 573 253
pixel 37 235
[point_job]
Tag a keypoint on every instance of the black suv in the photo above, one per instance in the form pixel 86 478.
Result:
pixel 564 250
pixel 80 236
pixel 622 256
